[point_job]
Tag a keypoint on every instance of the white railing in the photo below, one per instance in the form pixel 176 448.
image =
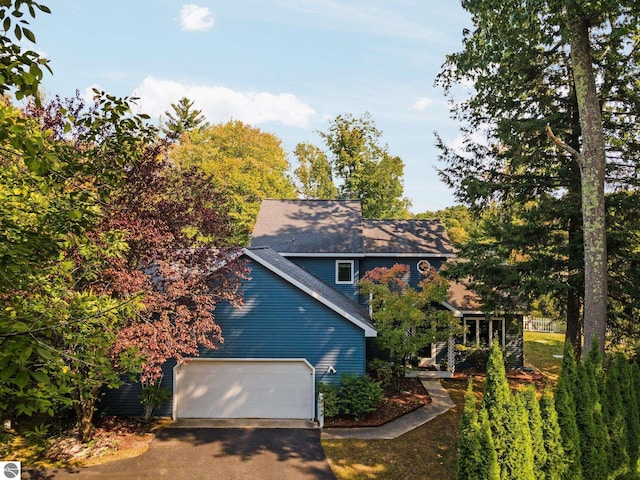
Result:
pixel 539 324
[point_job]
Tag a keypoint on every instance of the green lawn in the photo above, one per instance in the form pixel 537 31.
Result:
pixel 539 351
pixel 426 453
pixel 430 452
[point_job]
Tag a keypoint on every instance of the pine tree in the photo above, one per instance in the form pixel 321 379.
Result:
pixel 566 409
pixel 530 402
pixel 183 119
pixel 509 429
pixel 615 415
pixel 556 465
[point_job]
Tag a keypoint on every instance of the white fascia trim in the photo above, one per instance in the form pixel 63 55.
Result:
pixel 456 313
pixel 411 255
pixel 245 359
pixel 322 255
pixel 368 331
pixel 460 313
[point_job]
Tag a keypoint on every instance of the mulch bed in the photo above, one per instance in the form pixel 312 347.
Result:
pixel 392 406
pixel 518 376
pixel 111 434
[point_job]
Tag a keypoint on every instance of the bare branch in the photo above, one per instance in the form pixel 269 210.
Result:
pixel 568 148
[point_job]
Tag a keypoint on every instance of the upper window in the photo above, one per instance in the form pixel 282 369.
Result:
pixel 424 266
pixel 344 271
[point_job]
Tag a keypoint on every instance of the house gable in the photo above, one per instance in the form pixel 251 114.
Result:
pixel 313 287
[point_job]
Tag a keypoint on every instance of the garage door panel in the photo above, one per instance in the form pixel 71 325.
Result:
pixel 245 389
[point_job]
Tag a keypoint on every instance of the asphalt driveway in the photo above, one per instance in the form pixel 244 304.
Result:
pixel 211 453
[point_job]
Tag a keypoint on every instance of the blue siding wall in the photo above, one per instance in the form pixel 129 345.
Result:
pixel 324 268
pixel 277 320
pixel 415 277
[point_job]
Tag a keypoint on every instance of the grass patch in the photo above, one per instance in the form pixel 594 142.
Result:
pixel 427 453
pixel 430 452
pixel 539 351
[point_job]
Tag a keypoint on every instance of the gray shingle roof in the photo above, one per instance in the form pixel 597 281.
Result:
pixel 336 227
pixel 314 287
pixel 461 299
pixel 309 226
pixel 406 237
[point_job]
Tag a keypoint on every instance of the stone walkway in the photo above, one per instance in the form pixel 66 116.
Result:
pixel 440 403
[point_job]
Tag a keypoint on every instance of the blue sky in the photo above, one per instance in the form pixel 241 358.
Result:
pixel 285 66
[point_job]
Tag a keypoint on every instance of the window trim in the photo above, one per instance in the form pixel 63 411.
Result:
pixel 351 264
pixel 423 270
pixel 475 342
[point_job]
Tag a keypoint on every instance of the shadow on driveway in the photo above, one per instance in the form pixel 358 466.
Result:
pixel 209 453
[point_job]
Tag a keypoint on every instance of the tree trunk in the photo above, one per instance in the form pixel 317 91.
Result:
pixel 592 162
pixel 575 262
pixel 574 321
pixel 84 409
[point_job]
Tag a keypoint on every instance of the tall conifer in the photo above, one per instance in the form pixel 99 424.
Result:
pixel 528 396
pixel 511 439
pixel 476 453
pixel 630 406
pixel 615 415
pixel 566 410
pixel 635 388
pixel 591 427
pixel 555 465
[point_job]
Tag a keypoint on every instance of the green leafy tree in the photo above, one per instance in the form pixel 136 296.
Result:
pixel 313 173
pixel 555 466
pixel 508 420
pixel 406 319
pixel 246 164
pixel 366 170
pixel 476 454
pixel 21 69
pixel 458 220
pixel 62 327
pixel 531 66
pixel 182 119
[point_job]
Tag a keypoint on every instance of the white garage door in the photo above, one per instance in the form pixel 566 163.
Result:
pixel 244 389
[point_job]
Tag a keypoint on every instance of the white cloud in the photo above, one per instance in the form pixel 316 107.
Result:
pixel 423 103
pixel 220 104
pixel 194 18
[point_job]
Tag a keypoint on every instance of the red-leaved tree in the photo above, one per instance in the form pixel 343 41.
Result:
pixel 157 240
pixel 178 258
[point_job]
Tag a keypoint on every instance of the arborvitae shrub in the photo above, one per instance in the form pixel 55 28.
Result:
pixel 615 414
pixel 530 402
pixel 593 433
pixel 630 406
pixel 476 453
pixel 556 463
pixel 566 410
pixel 508 420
